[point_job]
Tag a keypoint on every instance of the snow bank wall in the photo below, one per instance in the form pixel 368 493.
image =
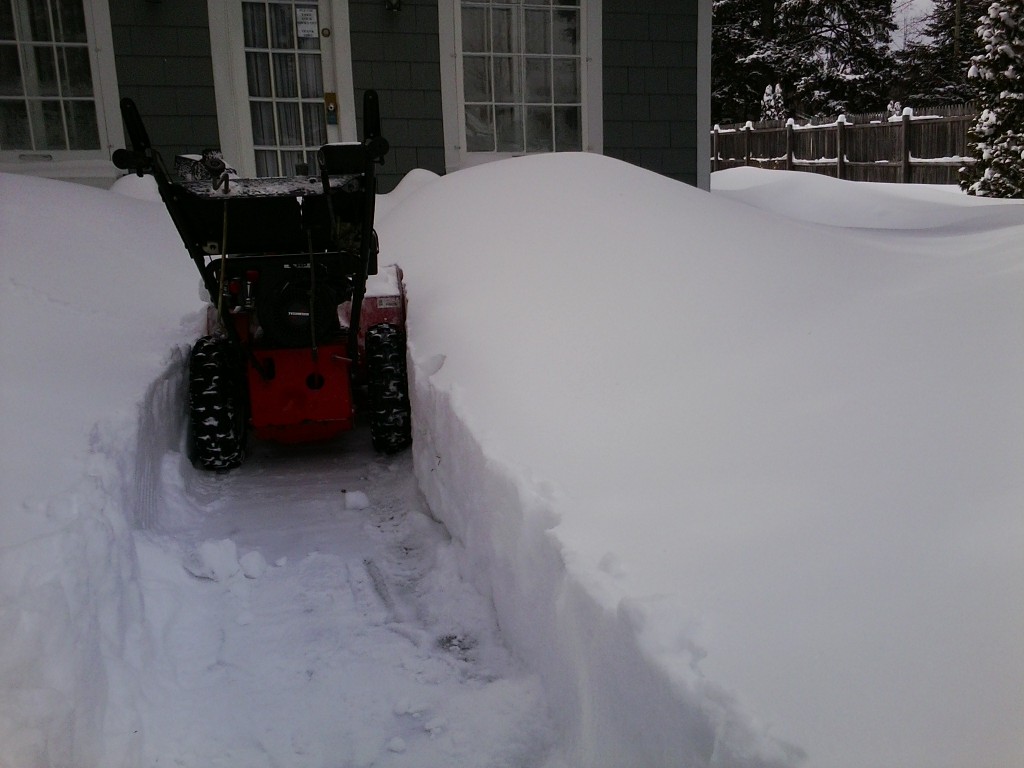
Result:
pixel 71 613
pixel 613 702
pixel 690 447
pixel 91 300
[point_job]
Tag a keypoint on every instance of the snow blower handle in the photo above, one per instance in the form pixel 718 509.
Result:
pixel 140 157
pixel 375 144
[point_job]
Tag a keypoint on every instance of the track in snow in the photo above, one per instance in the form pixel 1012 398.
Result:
pixel 358 645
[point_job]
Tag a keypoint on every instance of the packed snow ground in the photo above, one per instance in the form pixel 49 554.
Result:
pixel 741 487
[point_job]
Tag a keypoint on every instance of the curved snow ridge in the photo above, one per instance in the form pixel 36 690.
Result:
pixel 619 696
pixel 820 199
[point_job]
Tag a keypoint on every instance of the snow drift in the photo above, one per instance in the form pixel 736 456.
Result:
pixel 743 485
pixel 742 488
pixel 93 296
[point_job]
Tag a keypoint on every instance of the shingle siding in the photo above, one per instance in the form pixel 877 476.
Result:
pixel 650 84
pixel 649 53
pixel 162 58
pixel 396 53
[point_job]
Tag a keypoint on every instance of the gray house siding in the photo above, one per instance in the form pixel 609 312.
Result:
pixel 650 97
pixel 397 53
pixel 650 85
pixel 162 58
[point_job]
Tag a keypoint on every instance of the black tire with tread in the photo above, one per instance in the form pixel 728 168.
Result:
pixel 388 388
pixel 216 405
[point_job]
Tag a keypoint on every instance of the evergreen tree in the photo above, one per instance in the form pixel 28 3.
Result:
pixel 772 104
pixel 934 69
pixel 737 33
pixel 829 56
pixel 845 51
pixel 997 138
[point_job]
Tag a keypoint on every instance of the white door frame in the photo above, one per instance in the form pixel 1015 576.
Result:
pixel 231 88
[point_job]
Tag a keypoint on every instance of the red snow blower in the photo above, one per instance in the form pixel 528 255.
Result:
pixel 295 344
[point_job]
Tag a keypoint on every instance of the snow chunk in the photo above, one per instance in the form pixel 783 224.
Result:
pixel 253 564
pixel 216 560
pixel 354 500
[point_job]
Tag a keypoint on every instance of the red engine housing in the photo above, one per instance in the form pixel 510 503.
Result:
pixel 298 395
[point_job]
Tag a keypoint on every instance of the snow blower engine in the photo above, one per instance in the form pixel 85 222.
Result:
pixel 296 343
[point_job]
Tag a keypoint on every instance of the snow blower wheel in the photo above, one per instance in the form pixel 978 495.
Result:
pixel 216 405
pixel 388 388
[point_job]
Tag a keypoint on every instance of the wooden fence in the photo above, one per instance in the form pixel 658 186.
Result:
pixel 923 149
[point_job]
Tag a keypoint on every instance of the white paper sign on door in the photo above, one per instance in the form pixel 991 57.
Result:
pixel 306 23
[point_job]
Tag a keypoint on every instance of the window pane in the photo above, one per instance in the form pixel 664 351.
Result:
pixel 315 120
pixel 45 80
pixel 311 77
pixel 257 66
pixel 282 33
pixel 10 71
pixel 476 79
pixel 506 80
pixel 285 77
pixel 14 125
pixel 266 163
pixel 83 133
pixel 39 23
pixel 6 21
pixel 76 76
pixel 47 124
pixel 263 132
pixel 289 160
pixel 479 129
pixel 71 20
pixel 568 136
pixel 502 31
pixel 474 30
pixel 538 31
pixel 509 124
pixel 254 21
pixel 567 81
pixel 538 81
pixel 538 129
pixel 288 124
pixel 565 39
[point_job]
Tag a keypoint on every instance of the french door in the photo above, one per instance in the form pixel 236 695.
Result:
pixel 278 101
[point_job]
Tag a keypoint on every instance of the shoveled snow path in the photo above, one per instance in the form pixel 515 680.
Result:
pixel 359 628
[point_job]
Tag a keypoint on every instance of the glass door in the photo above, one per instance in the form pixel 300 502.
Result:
pixel 286 61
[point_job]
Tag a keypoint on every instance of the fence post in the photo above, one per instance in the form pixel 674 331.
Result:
pixel 906 169
pixel 747 149
pixel 714 148
pixel 840 147
pixel 789 144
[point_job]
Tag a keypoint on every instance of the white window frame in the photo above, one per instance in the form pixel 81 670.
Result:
pixel 91 166
pixel 231 88
pixel 453 91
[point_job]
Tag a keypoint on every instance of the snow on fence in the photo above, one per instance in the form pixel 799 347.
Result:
pixel 924 149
